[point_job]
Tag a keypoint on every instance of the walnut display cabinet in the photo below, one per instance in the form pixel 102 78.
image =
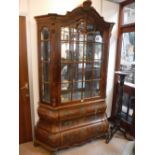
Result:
pixel 72 59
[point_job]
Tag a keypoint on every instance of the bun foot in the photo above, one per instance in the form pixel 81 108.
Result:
pixel 35 144
pixel 53 153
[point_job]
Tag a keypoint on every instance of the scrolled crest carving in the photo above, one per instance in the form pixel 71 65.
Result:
pixel 87 3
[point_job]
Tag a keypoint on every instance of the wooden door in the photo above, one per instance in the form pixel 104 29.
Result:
pixel 25 128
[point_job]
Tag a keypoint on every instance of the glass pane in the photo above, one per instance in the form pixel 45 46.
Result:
pixel 129 14
pixel 88 71
pixel 45 57
pixel 87 89
pixel 81 31
pixel 90 28
pixel 97 70
pixel 73 34
pixel 46 71
pixel 66 86
pixel 46 93
pixel 65 96
pixel 98 51
pixel 73 51
pixel 77 71
pixel 81 26
pixel 77 50
pixel 77 87
pixel 98 37
pixel 45 50
pixel 45 34
pixel 89 51
pixel 65 33
pixel 127 107
pixel 81 51
pixel 66 92
pixel 65 53
pixel 90 37
pixel 66 72
pixel 95 88
pixel 128 55
pixel 81 37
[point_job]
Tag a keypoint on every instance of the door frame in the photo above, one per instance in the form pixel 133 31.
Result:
pixel 121 30
pixel 30 76
pixel 129 89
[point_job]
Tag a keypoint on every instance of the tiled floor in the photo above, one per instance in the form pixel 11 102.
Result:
pixel 117 146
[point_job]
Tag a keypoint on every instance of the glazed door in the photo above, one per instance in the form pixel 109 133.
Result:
pixel 25 128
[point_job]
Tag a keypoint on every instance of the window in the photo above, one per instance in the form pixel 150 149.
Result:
pixel 129 14
pixel 126 45
pixel 127 62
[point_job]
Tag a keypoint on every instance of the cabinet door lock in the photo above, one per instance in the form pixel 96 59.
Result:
pixel 26 86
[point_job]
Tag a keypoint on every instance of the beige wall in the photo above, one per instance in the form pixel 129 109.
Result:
pixel 31 8
pixel 110 12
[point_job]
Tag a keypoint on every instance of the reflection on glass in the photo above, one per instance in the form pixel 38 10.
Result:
pixel 65 97
pixel 81 51
pixel 73 34
pixel 77 71
pixel 65 53
pixel 97 70
pixel 129 14
pixel 66 72
pixel 66 92
pixel 90 36
pixel 65 33
pixel 77 86
pixel 88 89
pixel 81 37
pixel 44 34
pixel 95 88
pixel 73 51
pixel 46 92
pixel 88 71
pixel 98 51
pixel 89 51
pixel 81 26
pixel 127 109
pixel 97 73
pixel 128 55
pixel 76 51
pixel 46 71
pixel 65 86
pixel 97 64
pixel 45 50
pixel 90 27
pixel 98 37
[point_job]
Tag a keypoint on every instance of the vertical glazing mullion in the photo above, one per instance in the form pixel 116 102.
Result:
pixel 83 67
pixel 77 41
pixel 77 50
pixel 71 56
pixel 93 57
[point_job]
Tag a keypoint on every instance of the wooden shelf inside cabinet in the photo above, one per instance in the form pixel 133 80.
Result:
pixel 72 59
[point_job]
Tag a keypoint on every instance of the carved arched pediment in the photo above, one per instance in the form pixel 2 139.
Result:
pixel 87 12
